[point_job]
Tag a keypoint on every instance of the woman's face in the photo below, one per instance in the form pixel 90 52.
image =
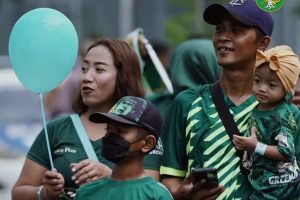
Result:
pixel 98 78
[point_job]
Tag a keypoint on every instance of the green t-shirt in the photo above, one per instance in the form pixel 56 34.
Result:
pixel 270 178
pixel 139 189
pixel 66 148
pixel 195 137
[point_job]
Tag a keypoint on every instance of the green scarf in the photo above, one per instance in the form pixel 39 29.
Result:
pixel 192 63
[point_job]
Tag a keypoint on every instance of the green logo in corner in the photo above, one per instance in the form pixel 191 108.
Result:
pixel 270 5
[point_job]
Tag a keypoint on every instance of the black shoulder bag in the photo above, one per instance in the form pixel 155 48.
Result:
pixel 226 117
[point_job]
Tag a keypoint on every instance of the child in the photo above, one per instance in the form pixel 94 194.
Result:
pixel 133 127
pixel 271 162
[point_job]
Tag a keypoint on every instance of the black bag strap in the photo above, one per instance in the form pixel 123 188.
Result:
pixel 224 114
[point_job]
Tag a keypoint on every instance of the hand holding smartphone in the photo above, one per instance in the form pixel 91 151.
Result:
pixel 210 176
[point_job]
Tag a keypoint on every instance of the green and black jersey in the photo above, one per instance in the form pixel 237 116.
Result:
pixel 269 178
pixel 195 138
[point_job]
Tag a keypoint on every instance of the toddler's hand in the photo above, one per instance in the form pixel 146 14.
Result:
pixel 246 143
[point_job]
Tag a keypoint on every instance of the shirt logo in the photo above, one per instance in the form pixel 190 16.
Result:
pixel 158 150
pixel 64 150
pixel 285 178
pixel 237 2
pixel 270 5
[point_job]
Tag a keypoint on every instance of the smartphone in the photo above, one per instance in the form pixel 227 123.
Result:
pixel 210 176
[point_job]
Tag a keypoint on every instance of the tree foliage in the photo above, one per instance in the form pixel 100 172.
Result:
pixel 186 21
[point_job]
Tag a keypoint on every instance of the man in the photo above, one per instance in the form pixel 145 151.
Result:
pixel 195 136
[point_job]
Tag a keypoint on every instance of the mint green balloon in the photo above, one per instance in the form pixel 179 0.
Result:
pixel 43 47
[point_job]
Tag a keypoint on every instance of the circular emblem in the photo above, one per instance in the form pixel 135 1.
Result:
pixel 270 5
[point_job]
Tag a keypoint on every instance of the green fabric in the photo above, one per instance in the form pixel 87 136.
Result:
pixel 153 78
pixel 192 63
pixel 269 178
pixel 140 189
pixel 196 137
pixel 162 101
pixel 146 86
pixel 66 148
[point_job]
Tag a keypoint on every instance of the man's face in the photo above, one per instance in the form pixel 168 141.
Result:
pixel 235 44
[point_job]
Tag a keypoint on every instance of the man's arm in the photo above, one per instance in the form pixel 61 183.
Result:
pixel 172 183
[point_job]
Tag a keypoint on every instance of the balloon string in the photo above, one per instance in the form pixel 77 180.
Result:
pixel 46 131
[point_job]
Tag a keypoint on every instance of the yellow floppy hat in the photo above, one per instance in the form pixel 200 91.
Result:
pixel 284 62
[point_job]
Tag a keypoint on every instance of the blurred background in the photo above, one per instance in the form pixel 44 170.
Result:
pixel 172 21
pixel 166 23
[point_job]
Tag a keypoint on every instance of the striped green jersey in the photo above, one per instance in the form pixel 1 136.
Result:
pixel 195 138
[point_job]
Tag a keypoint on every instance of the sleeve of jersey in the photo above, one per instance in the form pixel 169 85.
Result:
pixel 163 193
pixel 285 143
pixel 175 159
pixel 153 160
pixel 165 196
pixel 38 152
pixel 78 195
pixel 297 134
pixel 288 139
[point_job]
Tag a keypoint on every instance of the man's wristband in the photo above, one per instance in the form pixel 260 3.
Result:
pixel 260 148
pixel 39 192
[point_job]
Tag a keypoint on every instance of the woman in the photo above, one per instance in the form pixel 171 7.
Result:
pixel 110 71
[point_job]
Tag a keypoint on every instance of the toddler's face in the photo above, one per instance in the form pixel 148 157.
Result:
pixel 267 87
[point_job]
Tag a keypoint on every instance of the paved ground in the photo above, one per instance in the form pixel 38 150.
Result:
pixel 10 169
